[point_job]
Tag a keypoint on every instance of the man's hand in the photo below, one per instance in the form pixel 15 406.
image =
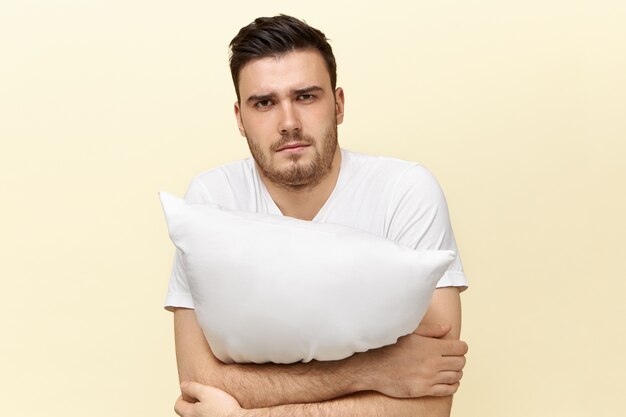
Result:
pixel 210 402
pixel 419 364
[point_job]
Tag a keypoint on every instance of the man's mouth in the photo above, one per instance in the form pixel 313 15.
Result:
pixel 292 147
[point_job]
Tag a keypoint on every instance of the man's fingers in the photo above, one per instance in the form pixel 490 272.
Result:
pixel 443 390
pixel 455 348
pixel 449 377
pixel 207 394
pixel 432 330
pixel 194 390
pixel 453 363
pixel 182 407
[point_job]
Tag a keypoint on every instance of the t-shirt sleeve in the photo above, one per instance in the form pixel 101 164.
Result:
pixel 418 218
pixel 178 293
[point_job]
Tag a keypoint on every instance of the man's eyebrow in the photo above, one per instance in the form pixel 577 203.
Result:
pixel 307 90
pixel 261 97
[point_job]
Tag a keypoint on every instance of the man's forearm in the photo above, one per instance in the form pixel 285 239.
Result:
pixel 401 370
pixel 266 385
pixel 365 404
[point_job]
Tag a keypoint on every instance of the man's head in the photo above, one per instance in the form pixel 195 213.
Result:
pixel 287 105
pixel 276 36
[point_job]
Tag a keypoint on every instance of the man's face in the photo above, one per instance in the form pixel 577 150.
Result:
pixel 289 116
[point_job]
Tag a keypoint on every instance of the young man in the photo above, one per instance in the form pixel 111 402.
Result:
pixel 288 108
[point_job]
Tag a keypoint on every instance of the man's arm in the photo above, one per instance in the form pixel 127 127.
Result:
pixel 212 402
pixel 365 404
pixel 217 403
pixel 415 366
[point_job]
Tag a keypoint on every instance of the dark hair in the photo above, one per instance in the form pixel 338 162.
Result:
pixel 275 36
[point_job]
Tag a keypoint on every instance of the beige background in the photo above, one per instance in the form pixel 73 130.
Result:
pixel 517 107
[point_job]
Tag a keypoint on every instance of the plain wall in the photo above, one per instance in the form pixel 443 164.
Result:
pixel 518 108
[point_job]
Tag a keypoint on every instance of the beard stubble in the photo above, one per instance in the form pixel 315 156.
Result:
pixel 298 174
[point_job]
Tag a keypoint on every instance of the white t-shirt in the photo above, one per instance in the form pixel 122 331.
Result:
pixel 395 199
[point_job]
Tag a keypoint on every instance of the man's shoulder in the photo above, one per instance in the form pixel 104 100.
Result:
pixel 231 170
pixel 215 185
pixel 398 181
pixel 394 169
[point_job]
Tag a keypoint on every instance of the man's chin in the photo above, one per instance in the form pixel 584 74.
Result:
pixel 293 174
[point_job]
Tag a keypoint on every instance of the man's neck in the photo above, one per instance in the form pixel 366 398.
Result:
pixel 306 202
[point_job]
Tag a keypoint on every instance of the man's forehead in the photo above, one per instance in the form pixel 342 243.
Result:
pixel 284 73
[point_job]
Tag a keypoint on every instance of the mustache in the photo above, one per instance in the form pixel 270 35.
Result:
pixel 292 137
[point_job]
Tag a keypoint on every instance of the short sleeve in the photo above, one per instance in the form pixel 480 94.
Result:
pixel 418 217
pixel 178 294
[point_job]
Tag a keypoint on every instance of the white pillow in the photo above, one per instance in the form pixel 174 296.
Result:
pixel 277 289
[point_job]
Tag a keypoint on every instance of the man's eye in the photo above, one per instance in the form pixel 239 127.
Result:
pixel 263 104
pixel 306 97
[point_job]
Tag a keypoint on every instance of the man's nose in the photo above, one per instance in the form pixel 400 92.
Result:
pixel 289 119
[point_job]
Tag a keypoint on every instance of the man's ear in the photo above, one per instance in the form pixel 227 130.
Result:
pixel 339 103
pixel 242 131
